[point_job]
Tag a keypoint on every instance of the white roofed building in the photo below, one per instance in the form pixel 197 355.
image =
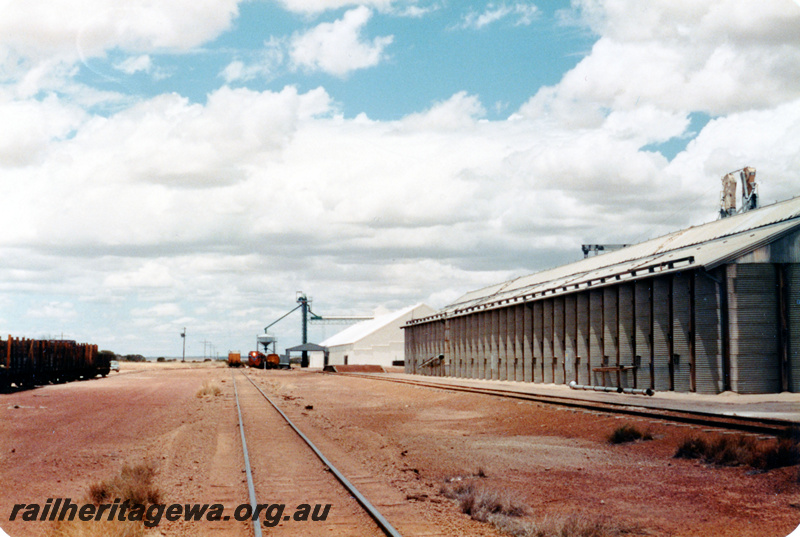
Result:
pixel 379 341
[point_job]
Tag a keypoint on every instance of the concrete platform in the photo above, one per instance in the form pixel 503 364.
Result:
pixel 780 406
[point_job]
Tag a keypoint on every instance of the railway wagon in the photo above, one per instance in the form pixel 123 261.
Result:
pixel 28 362
pixel 261 361
pixel 234 359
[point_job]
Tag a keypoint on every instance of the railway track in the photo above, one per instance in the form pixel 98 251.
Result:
pixel 290 470
pixel 762 426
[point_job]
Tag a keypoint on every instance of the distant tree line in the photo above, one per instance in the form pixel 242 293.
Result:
pixel 123 358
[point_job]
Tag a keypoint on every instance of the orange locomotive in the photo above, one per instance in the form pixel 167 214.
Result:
pixel 261 361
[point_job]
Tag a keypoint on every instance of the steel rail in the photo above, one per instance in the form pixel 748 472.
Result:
pixel 384 524
pixel 250 488
pixel 766 426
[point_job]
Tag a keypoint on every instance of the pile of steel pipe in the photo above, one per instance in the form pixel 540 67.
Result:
pixel 609 389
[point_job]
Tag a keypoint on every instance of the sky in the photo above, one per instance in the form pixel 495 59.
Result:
pixel 192 165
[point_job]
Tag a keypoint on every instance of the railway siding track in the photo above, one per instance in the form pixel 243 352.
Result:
pixel 284 467
pixel 762 426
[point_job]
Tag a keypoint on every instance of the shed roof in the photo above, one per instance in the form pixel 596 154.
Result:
pixel 361 330
pixel 307 347
pixel 707 246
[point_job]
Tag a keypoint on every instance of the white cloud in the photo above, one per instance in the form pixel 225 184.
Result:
pixel 62 27
pixel 150 274
pixel 167 309
pixel 135 64
pixel 717 57
pixel 319 6
pixel 458 112
pixel 337 48
pixel 31 126
pixel 264 67
pixel 41 41
pixel 523 14
pixel 57 311
pixel 169 213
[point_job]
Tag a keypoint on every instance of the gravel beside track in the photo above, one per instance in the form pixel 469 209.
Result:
pixel 399 444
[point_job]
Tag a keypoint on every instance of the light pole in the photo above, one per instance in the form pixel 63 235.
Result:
pixel 183 336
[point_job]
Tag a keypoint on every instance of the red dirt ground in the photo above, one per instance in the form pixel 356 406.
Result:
pixel 57 440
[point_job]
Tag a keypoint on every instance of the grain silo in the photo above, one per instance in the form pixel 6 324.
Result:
pixel 708 309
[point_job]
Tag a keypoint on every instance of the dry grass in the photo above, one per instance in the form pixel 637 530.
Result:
pixel 93 528
pixel 574 525
pixel 134 483
pixel 481 503
pixel 742 451
pixel 628 433
pixel 509 514
pixel 209 388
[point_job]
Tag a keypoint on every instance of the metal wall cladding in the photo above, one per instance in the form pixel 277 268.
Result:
pixel 582 338
pixel 417 347
pixel 467 355
pixel 662 333
pixel 427 351
pixel 547 340
pixel 481 337
pixel 474 344
pixel 408 348
pixel 486 330
pixel 753 322
pixel 519 342
pixel 627 336
pixel 462 347
pixel 460 342
pixel 670 327
pixel 793 307
pixel 429 328
pixel 456 347
pixel 511 328
pixel 527 343
pixel 644 335
pixel 708 335
pixel 471 352
pixel 570 338
pixel 511 350
pixel 682 351
pixel 610 334
pixel 489 344
pixel 538 340
pixel 596 334
pixel 454 352
pixel 436 339
pixel 502 344
pixel 466 350
pixel 558 340
pixel 445 349
pixel 495 344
